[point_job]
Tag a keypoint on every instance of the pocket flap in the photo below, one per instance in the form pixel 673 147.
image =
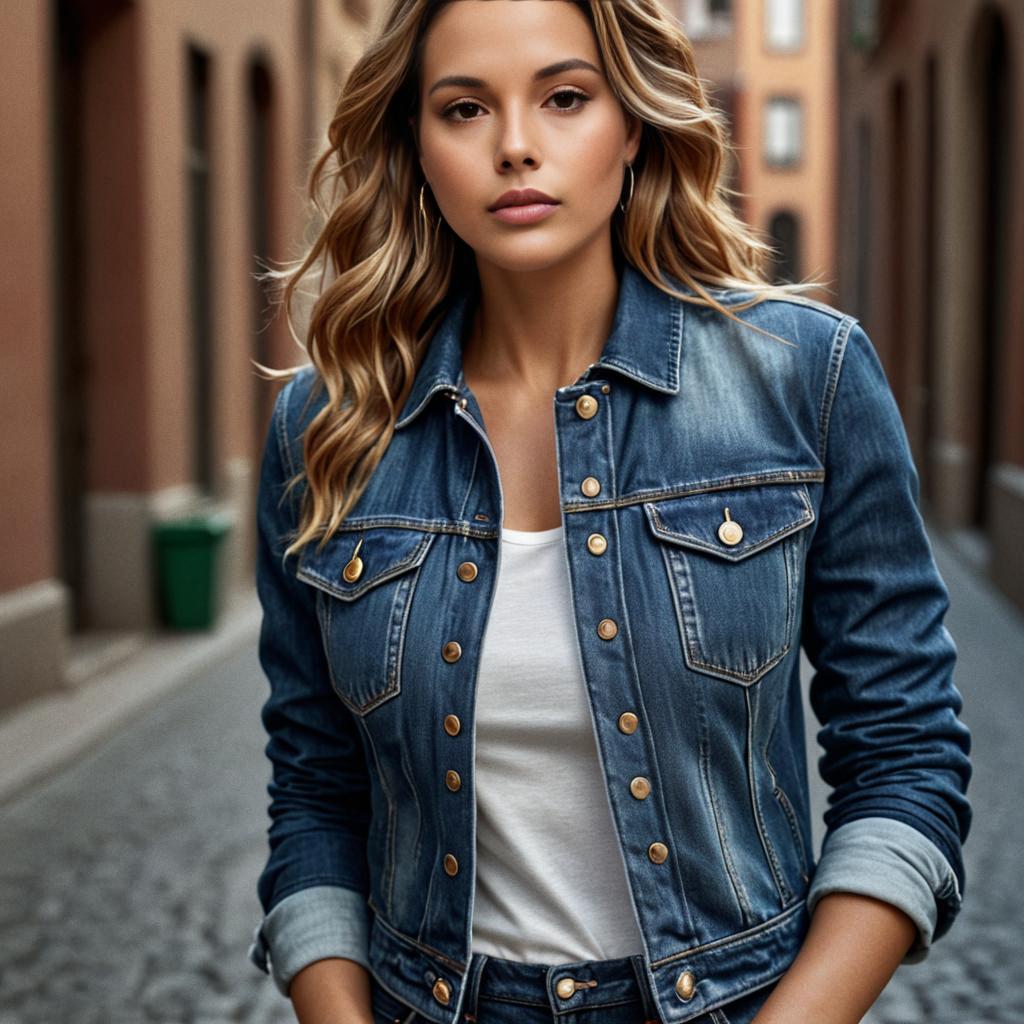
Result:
pixel 764 514
pixel 385 552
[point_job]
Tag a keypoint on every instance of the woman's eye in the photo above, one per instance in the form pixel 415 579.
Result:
pixel 572 94
pixel 569 94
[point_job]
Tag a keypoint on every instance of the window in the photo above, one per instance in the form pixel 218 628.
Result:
pixel 865 19
pixel 783 131
pixel 784 24
pixel 707 19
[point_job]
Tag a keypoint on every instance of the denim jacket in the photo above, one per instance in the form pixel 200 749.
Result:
pixel 726 500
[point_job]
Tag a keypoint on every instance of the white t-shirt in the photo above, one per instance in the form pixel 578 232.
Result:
pixel 551 885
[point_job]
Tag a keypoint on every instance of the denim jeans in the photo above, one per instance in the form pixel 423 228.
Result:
pixel 607 992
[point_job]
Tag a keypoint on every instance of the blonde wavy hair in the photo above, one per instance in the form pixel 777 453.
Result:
pixel 369 326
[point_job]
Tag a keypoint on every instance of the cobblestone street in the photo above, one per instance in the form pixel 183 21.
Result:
pixel 975 974
pixel 127 882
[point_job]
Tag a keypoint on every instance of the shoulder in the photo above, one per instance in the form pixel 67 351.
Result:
pixel 297 403
pixel 799 315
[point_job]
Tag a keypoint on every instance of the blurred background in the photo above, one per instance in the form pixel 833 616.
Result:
pixel 154 156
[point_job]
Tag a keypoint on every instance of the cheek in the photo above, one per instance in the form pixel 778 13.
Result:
pixel 599 162
pixel 450 172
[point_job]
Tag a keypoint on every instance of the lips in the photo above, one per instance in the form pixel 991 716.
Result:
pixel 521 197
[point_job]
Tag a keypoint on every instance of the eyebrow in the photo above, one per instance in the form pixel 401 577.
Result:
pixel 468 82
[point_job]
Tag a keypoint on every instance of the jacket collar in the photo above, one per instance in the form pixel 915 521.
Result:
pixel 645 342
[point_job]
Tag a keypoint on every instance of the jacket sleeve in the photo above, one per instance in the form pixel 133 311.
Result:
pixel 314 886
pixel 896 753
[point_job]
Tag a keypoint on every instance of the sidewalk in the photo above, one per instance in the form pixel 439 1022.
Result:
pixel 41 736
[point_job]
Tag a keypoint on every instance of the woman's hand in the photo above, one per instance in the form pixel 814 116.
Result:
pixel 852 949
pixel 332 991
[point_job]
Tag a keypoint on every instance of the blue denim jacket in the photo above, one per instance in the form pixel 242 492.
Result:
pixel 751 497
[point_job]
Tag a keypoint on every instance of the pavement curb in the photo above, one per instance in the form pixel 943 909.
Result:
pixel 42 736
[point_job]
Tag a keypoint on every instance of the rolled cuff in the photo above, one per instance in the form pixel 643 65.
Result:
pixel 311 924
pixel 891 861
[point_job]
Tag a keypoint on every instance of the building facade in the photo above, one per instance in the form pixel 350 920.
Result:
pixel 932 145
pixel 771 68
pixel 156 156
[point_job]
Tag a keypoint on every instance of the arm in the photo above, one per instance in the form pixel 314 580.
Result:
pixel 332 991
pixel 314 886
pixel 854 945
pixel 894 746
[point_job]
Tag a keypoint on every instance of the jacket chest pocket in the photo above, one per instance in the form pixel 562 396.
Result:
pixel 734 564
pixel 363 601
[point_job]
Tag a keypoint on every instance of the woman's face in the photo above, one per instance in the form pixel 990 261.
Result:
pixel 563 133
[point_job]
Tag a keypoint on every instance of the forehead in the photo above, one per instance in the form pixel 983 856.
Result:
pixel 499 39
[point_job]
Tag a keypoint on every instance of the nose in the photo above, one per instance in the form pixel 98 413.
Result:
pixel 515 146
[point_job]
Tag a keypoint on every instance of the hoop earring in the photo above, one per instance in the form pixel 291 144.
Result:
pixel 632 179
pixel 427 226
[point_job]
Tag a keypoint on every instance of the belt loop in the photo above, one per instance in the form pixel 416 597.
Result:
pixel 471 1010
pixel 640 970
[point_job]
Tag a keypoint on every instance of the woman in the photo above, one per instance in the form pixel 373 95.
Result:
pixel 542 532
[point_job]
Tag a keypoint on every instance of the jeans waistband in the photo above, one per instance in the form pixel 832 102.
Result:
pixel 562 988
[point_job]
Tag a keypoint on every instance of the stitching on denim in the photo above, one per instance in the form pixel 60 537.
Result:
pixel 440 381
pixel 283 444
pixel 780 794
pixel 689 624
pixel 762 830
pixel 407 771
pixel 400 607
pixel 421 946
pixel 472 479
pixel 832 382
pixel 411 560
pixel 677 309
pixel 662 529
pixel 394 644
pixel 737 939
pixel 742 899
pixel 699 487
pixel 389 838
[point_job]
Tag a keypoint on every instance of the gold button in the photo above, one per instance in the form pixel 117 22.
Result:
pixel 640 787
pixel 590 486
pixel 451 651
pixel 606 629
pixel 442 991
pixel 628 722
pixel 566 988
pixel 353 569
pixel 597 544
pixel 451 865
pixel 658 852
pixel 586 406
pixel 467 572
pixel 605 388
pixel 686 984
pixel 730 532
pixel 452 780
pixel 452 725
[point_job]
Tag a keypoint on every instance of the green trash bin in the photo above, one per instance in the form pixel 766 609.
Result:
pixel 187 553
